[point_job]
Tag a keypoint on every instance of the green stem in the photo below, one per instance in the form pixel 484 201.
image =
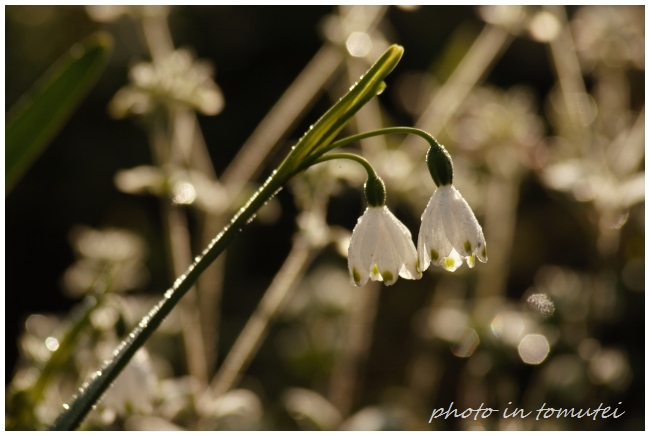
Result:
pixel 438 159
pixel 319 137
pixel 90 392
pixel 374 188
pixel 349 156
pixel 316 155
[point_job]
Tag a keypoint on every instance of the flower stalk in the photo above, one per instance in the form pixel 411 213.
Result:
pixel 318 138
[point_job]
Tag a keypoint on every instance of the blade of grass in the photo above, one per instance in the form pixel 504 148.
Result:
pixel 37 117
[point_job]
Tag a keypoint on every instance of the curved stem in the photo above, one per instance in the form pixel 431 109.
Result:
pixel 353 157
pixel 318 137
pixel 315 157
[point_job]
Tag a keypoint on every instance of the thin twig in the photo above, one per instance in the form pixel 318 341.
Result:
pixel 179 241
pixel 186 141
pixel 294 103
pixel 345 380
pixel 502 197
pixel 569 77
pixel 250 339
pixel 485 51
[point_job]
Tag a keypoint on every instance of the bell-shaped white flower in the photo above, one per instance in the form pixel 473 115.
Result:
pixel 381 248
pixel 449 232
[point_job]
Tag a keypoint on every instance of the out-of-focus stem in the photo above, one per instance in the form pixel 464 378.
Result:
pixel 179 249
pixel 318 138
pixel 487 48
pixel 569 76
pixel 295 101
pixel 157 36
pixel 74 413
pixel 250 339
pixel 178 244
pixel 627 150
pixel 612 94
pixel 285 114
pixel 500 221
pixel 345 381
pixel 188 147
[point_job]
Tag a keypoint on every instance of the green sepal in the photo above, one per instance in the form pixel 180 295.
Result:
pixel 375 191
pixel 440 165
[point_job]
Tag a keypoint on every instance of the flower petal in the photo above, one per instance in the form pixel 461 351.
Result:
pixel 449 232
pixel 402 242
pixel 381 248
pixel 433 245
pixel 359 255
pixel 463 230
pixel 452 262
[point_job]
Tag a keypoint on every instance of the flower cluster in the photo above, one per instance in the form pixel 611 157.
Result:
pixel 381 247
pixel 176 79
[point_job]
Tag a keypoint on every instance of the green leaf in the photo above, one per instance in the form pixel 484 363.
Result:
pixel 321 135
pixel 38 116
pixel 335 119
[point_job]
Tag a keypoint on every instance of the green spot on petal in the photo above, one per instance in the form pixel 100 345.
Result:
pixel 468 247
pixel 484 253
pixel 375 270
pixel 417 264
pixel 434 255
pixel 449 262
pixel 388 276
pixel 355 275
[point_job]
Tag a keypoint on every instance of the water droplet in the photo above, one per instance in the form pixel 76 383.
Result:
pixel 65 406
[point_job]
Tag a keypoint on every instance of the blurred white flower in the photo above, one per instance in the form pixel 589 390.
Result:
pixel 449 232
pixel 176 79
pixel 116 252
pixel 239 409
pixel 135 389
pixel 311 410
pixel 610 35
pixel 381 248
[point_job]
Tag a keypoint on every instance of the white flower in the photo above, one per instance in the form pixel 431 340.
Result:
pixel 381 248
pixel 449 232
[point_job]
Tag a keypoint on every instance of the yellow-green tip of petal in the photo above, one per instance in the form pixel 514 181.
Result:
pixel 449 262
pixel 356 276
